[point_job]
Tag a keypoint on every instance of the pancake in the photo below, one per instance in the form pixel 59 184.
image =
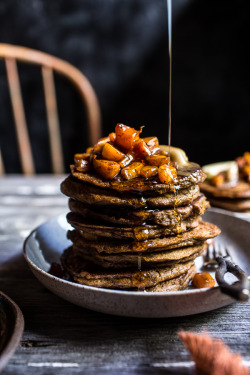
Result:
pixel 125 216
pixel 147 260
pixel 92 195
pixel 187 176
pixel 135 208
pixel 241 190
pixel 139 233
pixel 237 205
pixel 85 273
pixel 193 237
pixel 178 283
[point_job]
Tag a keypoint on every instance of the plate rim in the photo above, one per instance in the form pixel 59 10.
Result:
pixel 16 334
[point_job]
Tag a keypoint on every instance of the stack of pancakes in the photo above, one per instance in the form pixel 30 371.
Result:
pixel 136 234
pixel 234 198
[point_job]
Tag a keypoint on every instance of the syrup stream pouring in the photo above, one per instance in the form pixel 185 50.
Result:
pixel 169 7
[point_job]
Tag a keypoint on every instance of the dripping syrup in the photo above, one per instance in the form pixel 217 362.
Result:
pixel 177 216
pixel 169 8
pixel 139 262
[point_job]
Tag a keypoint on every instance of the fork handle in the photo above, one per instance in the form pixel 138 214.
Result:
pixel 240 290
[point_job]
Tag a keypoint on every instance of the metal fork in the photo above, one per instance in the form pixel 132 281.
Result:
pixel 218 258
pixel 214 250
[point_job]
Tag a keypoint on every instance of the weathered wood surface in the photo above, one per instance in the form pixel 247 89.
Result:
pixel 61 338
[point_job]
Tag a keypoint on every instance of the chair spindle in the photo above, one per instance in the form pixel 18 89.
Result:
pixel 27 163
pixel 53 120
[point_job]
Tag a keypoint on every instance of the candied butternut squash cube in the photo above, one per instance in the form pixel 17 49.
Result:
pixel 203 280
pixel 246 169
pixel 128 158
pixel 148 171
pixel 106 168
pixel 84 156
pixel 82 162
pixel 152 143
pixel 219 179
pixel 126 136
pixel 100 144
pixel 132 171
pixel 167 174
pixel 89 150
pixel 112 137
pixel 247 157
pixel 82 165
pixel 158 160
pixel 141 149
pixel 112 153
pixel 246 173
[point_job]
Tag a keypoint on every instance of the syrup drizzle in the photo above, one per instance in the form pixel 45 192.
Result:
pixel 139 262
pixel 177 216
pixel 169 7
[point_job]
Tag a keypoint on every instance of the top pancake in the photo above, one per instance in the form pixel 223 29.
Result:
pixel 93 195
pixel 190 174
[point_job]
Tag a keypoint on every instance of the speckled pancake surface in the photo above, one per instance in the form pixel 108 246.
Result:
pixel 147 260
pixel 187 176
pixel 85 273
pixel 178 283
pixel 125 216
pixel 139 233
pixel 93 195
pixel 195 236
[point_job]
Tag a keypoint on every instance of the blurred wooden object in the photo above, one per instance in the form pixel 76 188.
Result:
pixel 49 64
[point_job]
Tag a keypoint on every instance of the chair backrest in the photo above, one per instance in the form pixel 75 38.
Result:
pixel 49 64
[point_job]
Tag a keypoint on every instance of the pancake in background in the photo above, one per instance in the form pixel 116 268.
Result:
pixel 229 189
pixel 236 205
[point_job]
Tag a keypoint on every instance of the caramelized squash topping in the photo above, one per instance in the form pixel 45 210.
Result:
pixel 110 152
pixel 125 154
pixel 106 168
pixel 203 280
pixel 132 171
pixel 244 166
pixel 167 174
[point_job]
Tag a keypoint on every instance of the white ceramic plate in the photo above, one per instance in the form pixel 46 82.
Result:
pixel 46 243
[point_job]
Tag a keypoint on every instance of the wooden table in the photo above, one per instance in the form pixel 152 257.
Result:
pixel 61 338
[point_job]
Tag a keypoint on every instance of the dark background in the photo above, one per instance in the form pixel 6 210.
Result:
pixel 122 47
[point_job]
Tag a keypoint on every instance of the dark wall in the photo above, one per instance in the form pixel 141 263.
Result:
pixel 122 47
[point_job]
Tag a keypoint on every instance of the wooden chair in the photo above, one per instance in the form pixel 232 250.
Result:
pixel 49 64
